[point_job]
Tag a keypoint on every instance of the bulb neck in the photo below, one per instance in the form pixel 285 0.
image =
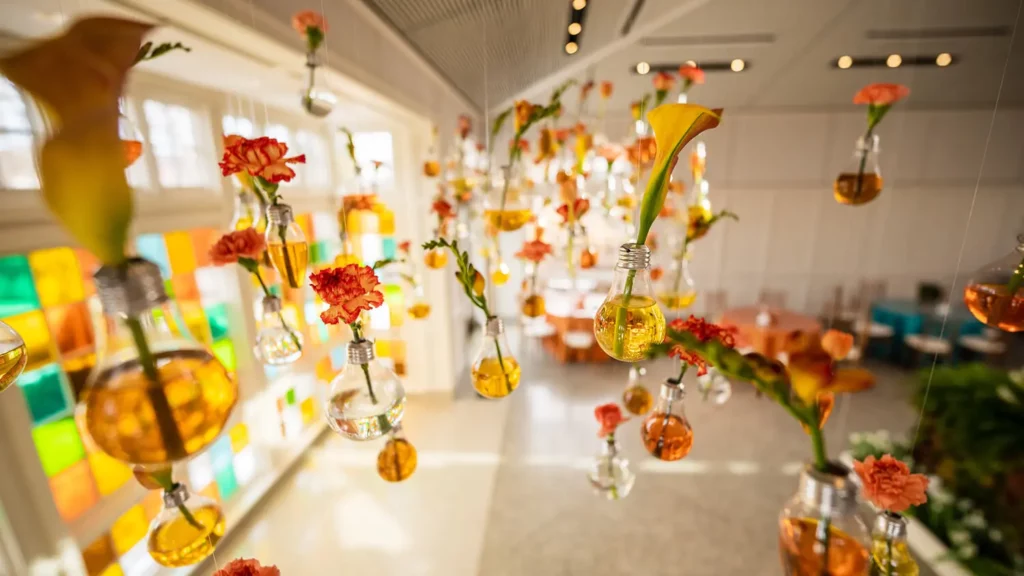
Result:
pixel 891 525
pixel 495 327
pixel 271 305
pixel 830 493
pixel 130 289
pixel 280 214
pixel 869 144
pixel 610 447
pixel 634 257
pixel 176 496
pixel 1020 243
pixel 672 391
pixel 360 352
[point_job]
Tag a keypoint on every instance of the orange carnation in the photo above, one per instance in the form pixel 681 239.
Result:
pixel 663 81
pixel 579 208
pixel 606 89
pixel 534 251
pixel 246 243
pixel 705 331
pixel 610 152
pixel 609 416
pixel 263 157
pixel 838 344
pixel 889 485
pixel 348 291
pixel 465 126
pixel 881 94
pixel 243 567
pixel 404 246
pixel 657 273
pixel 443 209
pixel 691 74
pixel 303 21
pixel 642 152
pixel 585 89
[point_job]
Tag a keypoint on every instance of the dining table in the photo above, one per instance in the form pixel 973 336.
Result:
pixel 765 329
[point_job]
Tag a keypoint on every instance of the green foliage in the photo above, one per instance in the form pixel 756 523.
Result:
pixel 379 264
pixel 148 52
pixel 466 274
pixel 351 147
pixel 499 121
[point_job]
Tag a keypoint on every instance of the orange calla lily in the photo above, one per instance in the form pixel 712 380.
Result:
pixel 812 370
pixel 78 78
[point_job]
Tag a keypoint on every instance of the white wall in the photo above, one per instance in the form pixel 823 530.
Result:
pixel 775 169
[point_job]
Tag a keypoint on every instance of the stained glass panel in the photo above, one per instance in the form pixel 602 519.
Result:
pixel 58 445
pixel 58 279
pixel 74 491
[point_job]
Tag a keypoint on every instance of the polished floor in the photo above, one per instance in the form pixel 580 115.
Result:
pixel 501 487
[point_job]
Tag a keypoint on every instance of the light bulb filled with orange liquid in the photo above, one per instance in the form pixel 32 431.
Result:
pixel 860 182
pixel 286 244
pixel 436 259
pixel 506 207
pixel 819 529
pixel 495 372
pixel 629 320
pixel 156 396
pixel 637 399
pixel 501 273
pixel 665 432
pixel 188 529
pixel 13 356
pixel 397 460
pixel 995 295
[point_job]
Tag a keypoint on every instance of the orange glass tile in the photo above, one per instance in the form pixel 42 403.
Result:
pixel 180 252
pixel 87 265
pixel 74 491
pixel 185 287
pixel 324 371
pixel 202 240
pixel 305 221
pixel 211 491
pixel 195 320
pixel 98 555
pixel 398 350
pixel 32 328
pixel 152 503
pixel 127 530
pixel 308 410
pixel 72 331
pixel 239 437
pixel 110 474
pixel 113 570
pixel 58 278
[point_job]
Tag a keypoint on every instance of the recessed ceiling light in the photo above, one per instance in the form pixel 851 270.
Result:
pixel 571 48
pixel 575 28
pixel 579 4
pixel 844 62
pixel 944 59
pixel 643 68
pixel 893 61
pixel 738 65
pixel 690 63
pixel 49 17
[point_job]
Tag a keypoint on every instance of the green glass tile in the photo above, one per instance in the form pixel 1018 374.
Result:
pixel 227 484
pixel 169 288
pixel 389 248
pixel 224 350
pixel 58 445
pixel 221 454
pixel 17 290
pixel 289 397
pixel 152 248
pixel 217 316
pixel 45 393
pixel 316 254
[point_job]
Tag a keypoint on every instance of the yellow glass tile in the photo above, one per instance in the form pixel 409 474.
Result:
pixel 32 328
pixel 180 252
pixel 239 437
pixel 58 278
pixel 195 319
pixel 98 556
pixel 305 222
pixel 386 220
pixel 308 410
pixel 127 530
pixel 113 570
pixel 383 348
pixel 74 491
pixel 72 331
pixel 369 222
pixel 324 371
pixel 355 223
pixel 211 491
pixel 398 350
pixel 152 503
pixel 110 474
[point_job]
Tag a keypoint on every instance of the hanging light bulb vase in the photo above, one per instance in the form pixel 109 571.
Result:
pixel 610 476
pixel 188 529
pixel 666 433
pixel 495 371
pixel 366 399
pixel 286 244
pixel 396 462
pixel 681 292
pixel 629 320
pixel 890 555
pixel 317 102
pixel 637 399
pixel 863 182
pixel 13 356
pixel 276 342
pixel 995 294
pixel 509 213
pixel 147 361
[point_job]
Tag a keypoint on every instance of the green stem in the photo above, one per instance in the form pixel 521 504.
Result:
pixel 185 512
pixel 501 363
pixel 888 556
pixel 611 465
pixel 818 445
pixel 280 315
pixel 369 384
pixel 823 535
pixel 682 372
pixel 621 313
pixel 174 446
pixel 504 193
pixel 863 161
pixel 289 272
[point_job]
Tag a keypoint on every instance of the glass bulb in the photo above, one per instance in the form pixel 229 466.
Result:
pixel 495 372
pixel 666 433
pixel 500 274
pixel 611 477
pixel 889 552
pixel 397 460
pixel 248 211
pixel 588 258
pixel 131 138
pixel 286 244
pixel 187 530
pixel 317 102
pixel 715 386
pixel 276 343
pixel 420 308
pixel 436 258
pixel 366 399
pixel 347 255
pixel 860 182
pixel 636 398
pixel 994 296
pixel 678 291
pixel 13 356
pixel 431 168
pixel 155 396
pixel 629 320
pixel 507 207
pixel 803 530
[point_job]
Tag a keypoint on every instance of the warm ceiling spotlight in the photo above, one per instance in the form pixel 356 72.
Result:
pixel 571 48
pixel 691 63
pixel 643 68
pixel 579 4
pixel 844 62
pixel 944 59
pixel 575 28
pixel 738 65
pixel 893 61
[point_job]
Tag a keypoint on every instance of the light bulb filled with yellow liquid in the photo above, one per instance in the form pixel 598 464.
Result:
pixel 436 259
pixel 397 460
pixel 419 310
pixel 155 396
pixel 187 531
pixel 889 553
pixel 286 244
pixel 533 306
pixel 500 274
pixel 637 399
pixel 629 320
pixel 861 181
pixel 495 372
pixel 506 208
pixel 347 255
pixel 13 356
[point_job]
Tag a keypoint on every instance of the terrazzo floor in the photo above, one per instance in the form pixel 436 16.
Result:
pixel 501 487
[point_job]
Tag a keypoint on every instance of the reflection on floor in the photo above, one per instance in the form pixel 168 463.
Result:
pixel 501 488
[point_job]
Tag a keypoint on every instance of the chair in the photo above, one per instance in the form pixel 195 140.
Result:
pixel 990 344
pixel 772 298
pixel 926 343
pixel 832 313
pixel 929 294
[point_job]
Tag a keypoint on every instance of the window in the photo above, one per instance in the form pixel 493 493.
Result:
pixel 316 172
pixel 237 125
pixel 17 149
pixel 128 128
pixel 180 145
pixel 375 147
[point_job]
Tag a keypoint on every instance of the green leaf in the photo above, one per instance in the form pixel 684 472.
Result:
pixel 499 121
pixel 147 52
pixel 382 263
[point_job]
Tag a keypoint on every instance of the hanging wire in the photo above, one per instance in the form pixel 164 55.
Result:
pixel 967 227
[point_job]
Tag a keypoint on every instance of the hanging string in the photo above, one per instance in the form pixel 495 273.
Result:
pixel 266 111
pixel 967 227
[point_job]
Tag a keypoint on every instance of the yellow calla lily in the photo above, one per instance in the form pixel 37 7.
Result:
pixel 77 78
pixel 674 126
